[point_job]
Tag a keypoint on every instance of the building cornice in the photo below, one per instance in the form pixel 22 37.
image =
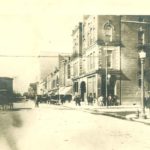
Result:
pixel 136 22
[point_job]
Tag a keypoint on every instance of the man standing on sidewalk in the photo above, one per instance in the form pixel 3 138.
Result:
pixel 77 99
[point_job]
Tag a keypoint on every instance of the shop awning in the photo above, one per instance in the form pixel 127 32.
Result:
pixel 3 90
pixel 51 92
pixel 119 74
pixel 59 91
pixel 66 90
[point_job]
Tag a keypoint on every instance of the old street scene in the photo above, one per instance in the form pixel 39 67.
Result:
pixel 74 82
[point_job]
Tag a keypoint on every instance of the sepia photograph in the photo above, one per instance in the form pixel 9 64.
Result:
pixel 74 75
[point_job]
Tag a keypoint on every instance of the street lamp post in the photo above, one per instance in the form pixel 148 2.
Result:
pixel 106 72
pixel 142 56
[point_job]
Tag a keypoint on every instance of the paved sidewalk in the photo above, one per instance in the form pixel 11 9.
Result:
pixel 128 112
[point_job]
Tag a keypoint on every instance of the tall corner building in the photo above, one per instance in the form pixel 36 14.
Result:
pixel 106 56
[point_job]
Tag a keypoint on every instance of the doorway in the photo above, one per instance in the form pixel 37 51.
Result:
pixel 83 90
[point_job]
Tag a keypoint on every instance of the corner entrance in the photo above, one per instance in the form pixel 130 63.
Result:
pixel 110 85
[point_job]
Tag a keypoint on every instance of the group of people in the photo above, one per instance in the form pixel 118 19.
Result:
pixel 77 99
pixel 109 101
pixel 101 101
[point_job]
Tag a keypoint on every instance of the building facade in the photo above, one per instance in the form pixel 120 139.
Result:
pixel 135 35
pixel 65 82
pixel 107 61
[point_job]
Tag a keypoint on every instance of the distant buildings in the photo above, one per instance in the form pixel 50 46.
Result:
pixel 105 59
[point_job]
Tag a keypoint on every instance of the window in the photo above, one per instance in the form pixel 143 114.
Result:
pixel 75 86
pixel 88 38
pixel 139 82
pixel 91 61
pixel 99 59
pixel 75 69
pixel 83 64
pixel 108 28
pixel 88 61
pixel 68 71
pixel 141 36
pixel 109 58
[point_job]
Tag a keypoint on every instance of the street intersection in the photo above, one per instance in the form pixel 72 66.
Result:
pixel 60 127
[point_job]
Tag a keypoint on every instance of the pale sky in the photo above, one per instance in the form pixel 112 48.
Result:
pixel 30 26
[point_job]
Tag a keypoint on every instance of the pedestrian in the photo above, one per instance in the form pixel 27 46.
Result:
pixel 90 99
pixel 101 101
pixel 62 99
pixel 115 100
pixel 37 101
pixel 94 98
pixel 109 100
pixel 77 99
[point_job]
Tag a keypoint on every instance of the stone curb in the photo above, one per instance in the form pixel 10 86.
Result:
pixel 132 118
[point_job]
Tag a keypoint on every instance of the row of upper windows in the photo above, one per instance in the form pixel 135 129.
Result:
pixel 90 36
pixel 91 62
pixel 89 32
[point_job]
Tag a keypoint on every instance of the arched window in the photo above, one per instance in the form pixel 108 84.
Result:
pixel 108 30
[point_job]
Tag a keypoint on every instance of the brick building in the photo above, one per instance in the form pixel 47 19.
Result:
pixel 107 61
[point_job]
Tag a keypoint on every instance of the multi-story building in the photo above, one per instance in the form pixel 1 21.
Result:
pixel 91 61
pixel 106 61
pixel 65 82
pixel 135 35
pixel 54 82
pixel 76 59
